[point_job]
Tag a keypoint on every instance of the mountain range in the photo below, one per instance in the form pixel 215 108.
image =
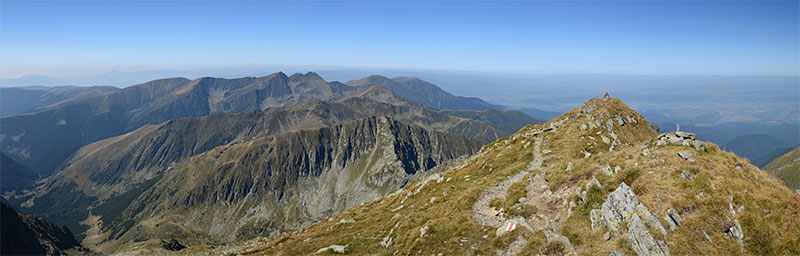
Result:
pixel 16 100
pixel 45 138
pixel 296 165
pixel 108 167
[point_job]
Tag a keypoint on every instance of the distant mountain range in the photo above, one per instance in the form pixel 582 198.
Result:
pixel 101 154
pixel 761 149
pixel 424 93
pixel 17 100
pixel 43 139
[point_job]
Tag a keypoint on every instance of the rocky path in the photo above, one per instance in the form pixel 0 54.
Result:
pixel 551 206
pixel 483 213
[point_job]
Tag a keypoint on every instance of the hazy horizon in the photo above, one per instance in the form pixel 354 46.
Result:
pixel 638 38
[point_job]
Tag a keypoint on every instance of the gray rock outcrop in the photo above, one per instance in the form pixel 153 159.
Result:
pixel 622 206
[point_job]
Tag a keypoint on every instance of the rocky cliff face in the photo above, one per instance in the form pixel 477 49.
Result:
pixel 29 235
pixel 598 180
pixel 283 182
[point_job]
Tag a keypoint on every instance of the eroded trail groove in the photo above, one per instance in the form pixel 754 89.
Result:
pixel 482 212
pixel 486 215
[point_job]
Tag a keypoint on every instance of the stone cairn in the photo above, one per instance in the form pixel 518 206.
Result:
pixel 680 138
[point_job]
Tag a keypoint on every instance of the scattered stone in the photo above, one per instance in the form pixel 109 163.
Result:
pixel 569 166
pixel 586 154
pixel 609 124
pixel 613 146
pixel 423 231
pixel 686 155
pixel 686 175
pixel 607 170
pixel 561 239
pixel 546 151
pixel 617 169
pixel 736 232
pixel 605 139
pixel 172 245
pixel 593 182
pixel 607 236
pixel 581 195
pixel 387 241
pixel 673 218
pixel 708 237
pixel 340 249
pixel 343 221
pixel 615 253
pixel 646 152
pixel 738 167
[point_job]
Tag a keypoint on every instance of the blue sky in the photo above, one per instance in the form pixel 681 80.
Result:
pixel 627 37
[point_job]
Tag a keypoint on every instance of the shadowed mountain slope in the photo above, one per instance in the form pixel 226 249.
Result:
pixel 29 235
pixel 15 176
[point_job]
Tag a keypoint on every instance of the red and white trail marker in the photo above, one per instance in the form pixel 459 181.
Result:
pixel 511 226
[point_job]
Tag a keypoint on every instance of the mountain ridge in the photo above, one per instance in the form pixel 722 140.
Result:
pixel 595 162
pixel 423 92
pixel 369 156
pixel 43 139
